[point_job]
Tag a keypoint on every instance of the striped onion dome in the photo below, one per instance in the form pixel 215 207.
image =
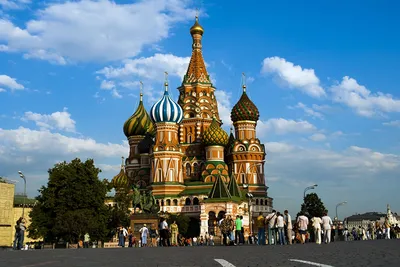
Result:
pixel 245 110
pixel 121 180
pixel 166 109
pixel 140 122
pixel 215 135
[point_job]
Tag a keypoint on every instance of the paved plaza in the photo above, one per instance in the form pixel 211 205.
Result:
pixel 361 253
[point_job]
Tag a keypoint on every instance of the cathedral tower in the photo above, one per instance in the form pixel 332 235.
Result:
pixel 246 154
pixel 166 169
pixel 197 99
pixel 136 128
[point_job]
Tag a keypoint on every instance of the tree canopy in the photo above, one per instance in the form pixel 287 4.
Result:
pixel 119 213
pixel 182 220
pixel 313 206
pixel 72 204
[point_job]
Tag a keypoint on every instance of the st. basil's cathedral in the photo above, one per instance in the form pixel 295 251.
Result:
pixel 181 154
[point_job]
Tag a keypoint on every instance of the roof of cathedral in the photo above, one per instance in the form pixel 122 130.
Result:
pixel 121 180
pixel 219 189
pixel 245 110
pixel 146 143
pixel 231 142
pixel 215 135
pixel 196 72
pixel 139 123
pixel 166 109
pixel 233 187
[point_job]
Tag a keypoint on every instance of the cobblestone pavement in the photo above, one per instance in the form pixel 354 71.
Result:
pixel 359 253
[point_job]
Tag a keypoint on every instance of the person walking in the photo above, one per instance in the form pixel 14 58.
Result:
pixel 302 222
pixel 270 222
pixel 289 226
pixel 174 234
pixel 238 229
pixel 327 224
pixel 316 224
pixel 260 223
pixel 280 224
pixel 144 232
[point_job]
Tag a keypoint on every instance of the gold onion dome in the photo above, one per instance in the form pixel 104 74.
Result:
pixel 121 180
pixel 139 123
pixel 245 110
pixel 215 135
pixel 196 28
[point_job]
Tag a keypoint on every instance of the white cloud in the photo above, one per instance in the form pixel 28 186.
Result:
pixel 224 107
pixel 392 123
pixel 294 76
pixel 2 90
pixel 318 137
pixel 151 68
pixel 37 150
pixel 107 85
pixel 10 83
pixel 284 126
pixel 66 31
pixel 60 120
pixel 359 98
pixel 308 111
pixel 14 4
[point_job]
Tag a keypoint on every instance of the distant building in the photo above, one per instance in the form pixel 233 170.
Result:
pixel 11 207
pixel 364 220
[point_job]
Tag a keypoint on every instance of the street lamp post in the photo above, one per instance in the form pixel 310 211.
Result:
pixel 337 220
pixel 249 197
pixel 309 188
pixel 23 177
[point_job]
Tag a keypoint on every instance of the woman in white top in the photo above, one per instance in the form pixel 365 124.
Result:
pixel 326 223
pixel 316 223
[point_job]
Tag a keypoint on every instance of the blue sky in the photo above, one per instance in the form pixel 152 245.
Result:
pixel 323 74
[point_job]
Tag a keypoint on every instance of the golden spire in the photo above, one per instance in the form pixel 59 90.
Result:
pixel 197 71
pixel 166 80
pixel 141 91
pixel 123 162
pixel 197 28
pixel 244 82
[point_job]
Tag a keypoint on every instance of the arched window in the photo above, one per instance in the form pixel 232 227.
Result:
pixel 188 169
pixel 261 202
pixel 256 201
pixel 168 202
pixel 162 203
pixel 189 138
pixel 188 202
pixel 196 169
pixel 175 202
pixel 158 202
pixel 196 201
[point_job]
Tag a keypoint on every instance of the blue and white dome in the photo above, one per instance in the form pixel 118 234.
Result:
pixel 166 109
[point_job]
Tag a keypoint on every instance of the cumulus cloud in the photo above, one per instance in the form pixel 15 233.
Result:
pixel 64 31
pixel 318 137
pixel 11 83
pixel 151 68
pixel 60 120
pixel 395 123
pixel 283 126
pixel 14 4
pixel 350 93
pixel 311 112
pixel 37 150
pixel 294 76
pixel 224 107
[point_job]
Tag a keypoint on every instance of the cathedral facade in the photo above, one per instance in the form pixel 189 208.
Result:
pixel 179 151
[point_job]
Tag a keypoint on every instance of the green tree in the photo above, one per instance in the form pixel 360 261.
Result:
pixel 182 220
pixel 71 204
pixel 312 206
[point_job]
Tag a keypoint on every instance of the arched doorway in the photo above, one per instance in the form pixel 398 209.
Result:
pixel 194 227
pixel 212 222
pixel 220 215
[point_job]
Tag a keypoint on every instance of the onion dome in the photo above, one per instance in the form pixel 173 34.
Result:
pixel 245 110
pixel 140 122
pixel 145 145
pixel 196 28
pixel 166 109
pixel 120 180
pixel 215 135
